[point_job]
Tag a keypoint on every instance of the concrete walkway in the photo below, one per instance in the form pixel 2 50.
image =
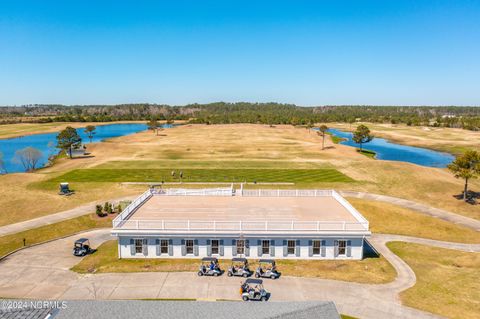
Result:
pixel 424 209
pixel 55 218
pixel 42 272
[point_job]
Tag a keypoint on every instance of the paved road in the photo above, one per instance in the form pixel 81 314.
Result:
pixel 43 272
pixel 424 209
pixel 55 218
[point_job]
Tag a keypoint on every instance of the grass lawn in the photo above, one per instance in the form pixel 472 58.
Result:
pixel 391 219
pixel 367 153
pixel 447 280
pixel 11 242
pixel 329 175
pixel 335 139
pixel 372 270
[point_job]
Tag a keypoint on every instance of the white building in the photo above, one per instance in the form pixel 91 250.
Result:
pixel 293 224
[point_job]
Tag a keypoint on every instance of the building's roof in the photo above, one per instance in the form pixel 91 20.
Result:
pixel 192 309
pixel 249 212
pixel 235 208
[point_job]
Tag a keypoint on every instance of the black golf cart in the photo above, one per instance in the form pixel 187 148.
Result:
pixel 209 267
pixel 252 289
pixel 82 247
pixel 239 267
pixel 267 269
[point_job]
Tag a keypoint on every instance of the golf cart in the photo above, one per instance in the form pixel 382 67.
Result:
pixel 82 247
pixel 209 267
pixel 239 267
pixel 252 289
pixel 267 269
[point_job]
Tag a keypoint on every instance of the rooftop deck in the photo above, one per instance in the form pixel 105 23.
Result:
pixel 241 212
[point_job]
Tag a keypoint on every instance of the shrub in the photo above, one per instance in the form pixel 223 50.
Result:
pixel 99 210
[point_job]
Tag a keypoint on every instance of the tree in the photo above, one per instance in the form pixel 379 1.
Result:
pixel 68 139
pixel 153 125
pixel 90 131
pixel 362 135
pixel 322 131
pixel 28 157
pixel 466 166
pixel 3 170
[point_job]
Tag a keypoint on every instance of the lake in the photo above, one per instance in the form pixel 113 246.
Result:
pixel 46 142
pixel 390 151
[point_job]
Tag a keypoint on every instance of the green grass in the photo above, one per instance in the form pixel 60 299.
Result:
pixel 12 242
pixel 335 139
pixel 326 175
pixel 367 153
pixel 210 164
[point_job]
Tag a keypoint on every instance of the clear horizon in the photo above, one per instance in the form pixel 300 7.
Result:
pixel 307 53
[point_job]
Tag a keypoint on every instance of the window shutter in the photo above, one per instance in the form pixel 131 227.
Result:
pixel 297 248
pixel 310 248
pixel 132 246
pixel 349 248
pixel 145 246
pixel 259 246
pixel 247 247
pixel 234 247
pixel 170 247
pixel 195 247
pixel 184 248
pixel 272 248
pixel 285 251
pixel 221 247
pixel 335 244
pixel 209 248
pixel 157 246
pixel 323 248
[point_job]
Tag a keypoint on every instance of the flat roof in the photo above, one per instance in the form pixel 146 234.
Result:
pixel 234 208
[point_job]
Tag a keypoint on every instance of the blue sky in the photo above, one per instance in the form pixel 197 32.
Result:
pixel 303 52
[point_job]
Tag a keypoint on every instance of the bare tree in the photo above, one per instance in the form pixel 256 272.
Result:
pixel 28 157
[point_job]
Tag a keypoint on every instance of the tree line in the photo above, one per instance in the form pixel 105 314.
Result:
pixel 264 113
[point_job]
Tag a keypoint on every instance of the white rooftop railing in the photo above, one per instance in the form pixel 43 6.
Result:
pixel 121 221
pixel 195 192
pixel 285 193
pixel 132 207
pixel 241 226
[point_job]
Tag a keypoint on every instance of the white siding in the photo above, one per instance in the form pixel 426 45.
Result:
pixel 356 248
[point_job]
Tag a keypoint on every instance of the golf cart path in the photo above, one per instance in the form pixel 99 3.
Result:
pixel 89 207
pixel 421 208
pixel 55 218
pixel 42 272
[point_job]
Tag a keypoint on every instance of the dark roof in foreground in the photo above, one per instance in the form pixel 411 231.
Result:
pixel 197 309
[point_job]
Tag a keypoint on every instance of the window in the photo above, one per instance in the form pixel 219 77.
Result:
pixel 342 247
pixel 215 246
pixel 138 245
pixel 164 246
pixel 316 247
pixel 240 247
pixel 291 247
pixel 189 246
pixel 266 247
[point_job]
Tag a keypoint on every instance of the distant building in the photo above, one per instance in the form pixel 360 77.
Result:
pixel 284 224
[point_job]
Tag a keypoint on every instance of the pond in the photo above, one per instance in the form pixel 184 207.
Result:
pixel 397 152
pixel 46 142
